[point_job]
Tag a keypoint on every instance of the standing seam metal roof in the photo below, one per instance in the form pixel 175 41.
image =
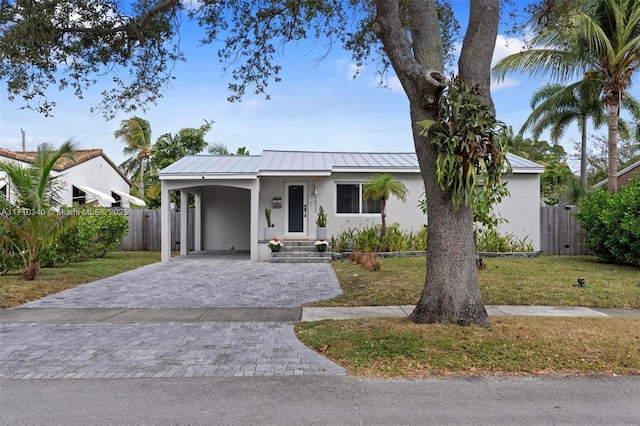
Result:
pixel 309 161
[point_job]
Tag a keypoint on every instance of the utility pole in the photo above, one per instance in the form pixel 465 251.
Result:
pixel 24 145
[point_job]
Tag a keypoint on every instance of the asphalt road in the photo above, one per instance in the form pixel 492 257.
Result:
pixel 322 401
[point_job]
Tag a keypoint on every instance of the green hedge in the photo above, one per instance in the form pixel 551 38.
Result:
pixel 612 224
pixel 97 231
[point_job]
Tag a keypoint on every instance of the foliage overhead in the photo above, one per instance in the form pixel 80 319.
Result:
pixel 49 46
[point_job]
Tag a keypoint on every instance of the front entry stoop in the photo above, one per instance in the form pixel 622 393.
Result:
pixel 300 252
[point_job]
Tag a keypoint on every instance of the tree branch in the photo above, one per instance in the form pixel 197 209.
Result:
pixel 135 26
pixel 416 80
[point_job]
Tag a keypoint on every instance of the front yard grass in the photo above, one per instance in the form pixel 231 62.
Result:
pixel 512 346
pixel 15 291
pixel 543 280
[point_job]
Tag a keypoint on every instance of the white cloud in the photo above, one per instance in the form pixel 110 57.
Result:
pixel 506 83
pixel 506 46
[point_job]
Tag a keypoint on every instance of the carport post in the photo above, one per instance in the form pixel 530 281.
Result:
pixel 184 210
pixel 255 214
pixel 197 231
pixel 165 219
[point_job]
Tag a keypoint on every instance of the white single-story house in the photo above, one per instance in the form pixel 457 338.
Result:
pixel 90 177
pixel 232 193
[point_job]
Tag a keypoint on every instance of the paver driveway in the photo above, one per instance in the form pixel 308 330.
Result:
pixel 174 348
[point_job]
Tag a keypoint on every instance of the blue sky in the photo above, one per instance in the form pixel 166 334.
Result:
pixel 317 106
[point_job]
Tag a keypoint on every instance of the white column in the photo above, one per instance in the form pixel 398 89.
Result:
pixel 197 237
pixel 184 210
pixel 255 214
pixel 165 219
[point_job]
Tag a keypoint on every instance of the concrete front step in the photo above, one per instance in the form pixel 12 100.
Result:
pixel 300 252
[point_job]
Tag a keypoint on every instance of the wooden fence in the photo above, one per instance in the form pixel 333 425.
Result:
pixel 145 227
pixel 560 232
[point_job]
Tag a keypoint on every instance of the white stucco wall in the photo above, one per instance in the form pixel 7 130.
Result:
pixel 226 218
pixel 321 191
pixel 96 173
pixel 522 208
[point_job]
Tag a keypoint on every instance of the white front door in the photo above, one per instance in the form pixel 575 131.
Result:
pixel 296 209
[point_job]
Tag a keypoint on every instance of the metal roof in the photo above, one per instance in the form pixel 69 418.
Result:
pixel 272 163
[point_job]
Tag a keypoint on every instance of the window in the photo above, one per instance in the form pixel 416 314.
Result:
pixel 118 199
pixel 3 190
pixel 79 196
pixel 350 200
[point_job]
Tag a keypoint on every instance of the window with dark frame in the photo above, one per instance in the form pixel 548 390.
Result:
pixel 3 190
pixel 118 199
pixel 79 196
pixel 349 199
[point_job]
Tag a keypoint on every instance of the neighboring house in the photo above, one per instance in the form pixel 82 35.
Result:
pixel 624 176
pixel 232 192
pixel 90 177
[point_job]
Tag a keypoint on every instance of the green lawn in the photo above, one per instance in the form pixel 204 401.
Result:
pixel 15 291
pixel 385 347
pixel 543 280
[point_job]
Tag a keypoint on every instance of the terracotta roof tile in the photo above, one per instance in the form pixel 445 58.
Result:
pixel 79 156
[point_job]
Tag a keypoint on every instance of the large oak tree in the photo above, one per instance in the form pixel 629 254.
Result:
pixel 65 43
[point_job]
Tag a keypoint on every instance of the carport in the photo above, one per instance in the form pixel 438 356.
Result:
pixel 226 196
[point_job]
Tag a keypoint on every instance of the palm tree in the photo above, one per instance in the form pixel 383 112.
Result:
pixel 381 187
pixel 135 132
pixel 602 39
pixel 219 149
pixel 33 220
pixel 556 106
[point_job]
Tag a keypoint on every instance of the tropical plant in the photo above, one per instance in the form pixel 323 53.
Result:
pixel 135 132
pixel 556 106
pixel 218 149
pixel 321 220
pixel 221 149
pixel 167 150
pixel 600 41
pixel 381 187
pixel 573 192
pixel 33 220
pixel 267 216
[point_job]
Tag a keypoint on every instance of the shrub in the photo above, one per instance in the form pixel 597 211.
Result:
pixel 491 240
pixel 367 260
pixel 612 224
pixel 368 240
pixel 96 232
pixel 10 258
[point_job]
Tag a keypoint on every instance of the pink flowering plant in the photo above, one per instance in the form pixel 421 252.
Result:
pixel 275 244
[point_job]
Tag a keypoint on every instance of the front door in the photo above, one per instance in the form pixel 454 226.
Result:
pixel 296 204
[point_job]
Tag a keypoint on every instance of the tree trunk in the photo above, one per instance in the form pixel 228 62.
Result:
pixel 583 152
pixel 612 142
pixel 383 217
pixel 141 180
pixel 32 265
pixel 452 291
